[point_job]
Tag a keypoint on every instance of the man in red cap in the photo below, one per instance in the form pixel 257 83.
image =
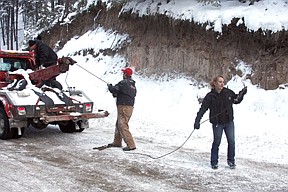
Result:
pixel 125 92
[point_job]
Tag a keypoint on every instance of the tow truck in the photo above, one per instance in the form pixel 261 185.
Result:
pixel 24 101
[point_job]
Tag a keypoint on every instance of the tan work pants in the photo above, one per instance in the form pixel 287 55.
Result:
pixel 122 128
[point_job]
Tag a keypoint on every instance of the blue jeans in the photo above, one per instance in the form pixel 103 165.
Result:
pixel 230 135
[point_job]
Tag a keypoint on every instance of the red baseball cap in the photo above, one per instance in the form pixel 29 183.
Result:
pixel 128 71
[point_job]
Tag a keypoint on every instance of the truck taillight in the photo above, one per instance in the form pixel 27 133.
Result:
pixel 88 107
pixel 21 110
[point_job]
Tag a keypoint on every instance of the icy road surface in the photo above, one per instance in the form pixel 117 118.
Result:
pixel 49 160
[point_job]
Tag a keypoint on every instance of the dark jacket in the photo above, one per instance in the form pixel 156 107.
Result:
pixel 220 105
pixel 45 55
pixel 125 91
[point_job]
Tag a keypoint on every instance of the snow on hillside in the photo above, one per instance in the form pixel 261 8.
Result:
pixel 265 14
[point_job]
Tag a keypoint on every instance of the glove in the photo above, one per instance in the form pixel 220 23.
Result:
pixel 109 87
pixel 244 91
pixel 241 94
pixel 196 125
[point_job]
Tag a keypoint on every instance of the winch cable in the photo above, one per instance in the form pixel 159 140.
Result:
pixel 150 156
pixel 91 73
pixel 159 157
pixel 185 140
pixel 166 154
pixel 66 80
pixel 142 153
pixel 86 71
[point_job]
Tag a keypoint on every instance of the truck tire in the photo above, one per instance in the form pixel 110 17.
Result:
pixel 67 126
pixel 80 129
pixel 5 132
pixel 39 125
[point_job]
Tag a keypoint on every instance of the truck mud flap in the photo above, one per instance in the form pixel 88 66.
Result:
pixel 45 99
pixel 61 95
pixel 73 117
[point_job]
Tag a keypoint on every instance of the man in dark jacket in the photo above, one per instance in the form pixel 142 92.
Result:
pixel 220 100
pixel 45 56
pixel 125 92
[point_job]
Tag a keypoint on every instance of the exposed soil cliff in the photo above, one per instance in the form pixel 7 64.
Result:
pixel 162 45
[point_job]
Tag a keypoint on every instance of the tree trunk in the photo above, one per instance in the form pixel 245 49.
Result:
pixel 12 26
pixel 60 2
pixel 2 30
pixel 8 27
pixel 36 11
pixel 52 5
pixel 67 4
pixel 16 25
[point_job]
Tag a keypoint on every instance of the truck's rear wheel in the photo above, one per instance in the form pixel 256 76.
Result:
pixel 67 126
pixel 79 126
pixel 39 125
pixel 5 132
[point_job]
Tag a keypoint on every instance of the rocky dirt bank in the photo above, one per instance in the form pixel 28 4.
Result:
pixel 162 45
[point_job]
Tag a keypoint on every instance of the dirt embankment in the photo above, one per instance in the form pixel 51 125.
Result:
pixel 163 45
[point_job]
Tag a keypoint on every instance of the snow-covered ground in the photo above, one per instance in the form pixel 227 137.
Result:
pixel 164 113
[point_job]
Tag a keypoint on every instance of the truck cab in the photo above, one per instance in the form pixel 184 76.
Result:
pixel 11 61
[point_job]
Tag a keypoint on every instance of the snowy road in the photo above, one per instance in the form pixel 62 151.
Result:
pixel 49 160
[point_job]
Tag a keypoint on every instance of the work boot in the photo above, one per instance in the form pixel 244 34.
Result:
pixel 231 164
pixel 214 166
pixel 113 145
pixel 128 149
